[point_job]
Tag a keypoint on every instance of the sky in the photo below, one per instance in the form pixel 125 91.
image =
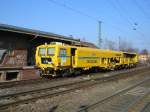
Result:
pixel 127 19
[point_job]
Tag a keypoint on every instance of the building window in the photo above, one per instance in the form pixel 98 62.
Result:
pixel 2 54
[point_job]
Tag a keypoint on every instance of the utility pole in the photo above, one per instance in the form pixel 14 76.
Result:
pixel 119 43
pixel 99 34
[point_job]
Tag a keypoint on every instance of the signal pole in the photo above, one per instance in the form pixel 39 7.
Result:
pixel 99 34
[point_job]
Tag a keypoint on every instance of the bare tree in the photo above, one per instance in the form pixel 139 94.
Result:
pixel 127 46
pixel 144 52
pixel 108 44
pixel 123 45
pixel 83 39
pixel 145 57
pixel 131 49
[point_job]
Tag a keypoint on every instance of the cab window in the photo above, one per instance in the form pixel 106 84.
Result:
pixel 42 51
pixel 51 51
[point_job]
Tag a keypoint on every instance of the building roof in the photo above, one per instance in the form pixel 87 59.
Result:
pixel 11 28
pixel 88 44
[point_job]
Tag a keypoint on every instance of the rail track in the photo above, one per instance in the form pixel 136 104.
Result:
pixel 11 84
pixel 119 101
pixel 146 108
pixel 22 82
pixel 6 85
pixel 28 96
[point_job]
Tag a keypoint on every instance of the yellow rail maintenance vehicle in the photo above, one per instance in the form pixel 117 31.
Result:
pixel 60 59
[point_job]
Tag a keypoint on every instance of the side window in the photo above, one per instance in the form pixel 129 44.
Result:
pixel 103 60
pixel 111 60
pixel 63 52
pixel 108 60
pixel 119 60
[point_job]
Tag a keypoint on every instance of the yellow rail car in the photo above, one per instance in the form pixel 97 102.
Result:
pixel 65 59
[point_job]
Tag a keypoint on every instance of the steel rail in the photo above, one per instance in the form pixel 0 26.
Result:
pixel 4 85
pixel 10 84
pixel 142 99
pixel 116 94
pixel 146 107
pixel 71 87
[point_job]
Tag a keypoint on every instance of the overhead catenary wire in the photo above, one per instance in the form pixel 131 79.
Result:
pixel 74 10
pixel 120 13
pixel 83 14
pixel 128 19
pixel 141 9
pixel 96 19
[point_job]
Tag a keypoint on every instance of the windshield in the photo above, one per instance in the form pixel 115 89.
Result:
pixel 51 51
pixel 42 51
